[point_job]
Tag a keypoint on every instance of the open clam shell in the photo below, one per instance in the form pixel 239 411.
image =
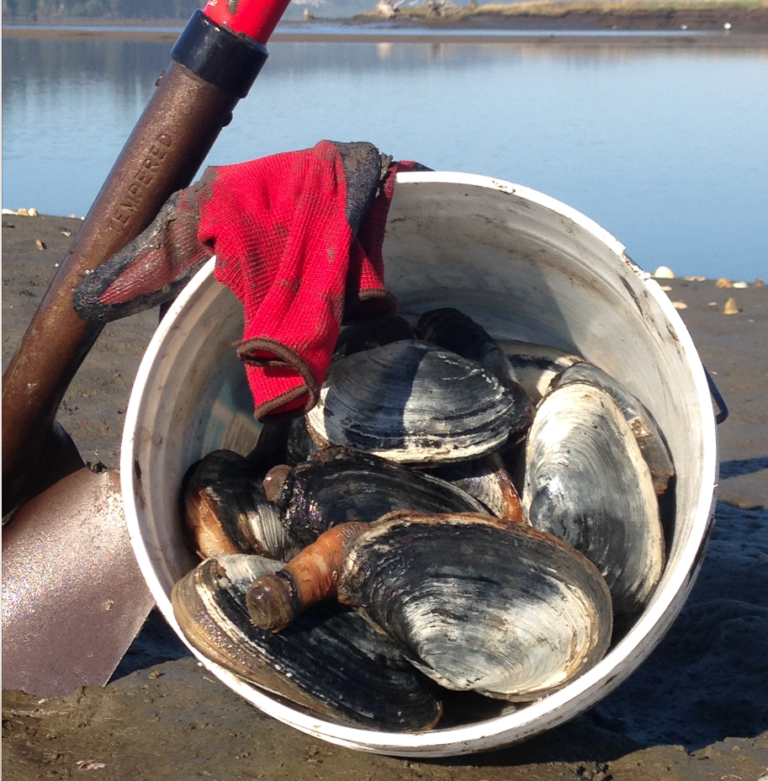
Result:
pixel 413 402
pixel 649 437
pixel 487 480
pixel 226 510
pixel 476 604
pixel 338 485
pixel 588 484
pixel 330 661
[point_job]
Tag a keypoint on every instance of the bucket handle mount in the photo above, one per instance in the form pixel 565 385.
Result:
pixel 722 407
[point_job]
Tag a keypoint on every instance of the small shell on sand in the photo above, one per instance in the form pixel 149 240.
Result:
pixel 758 282
pixel 695 279
pixel 40 244
pixel 23 212
pixel 723 282
pixel 663 272
pixel 680 305
pixel 741 285
pixel 714 304
pixel 33 212
pixel 666 288
pixel 730 307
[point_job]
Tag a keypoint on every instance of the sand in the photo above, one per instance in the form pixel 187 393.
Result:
pixel 697 710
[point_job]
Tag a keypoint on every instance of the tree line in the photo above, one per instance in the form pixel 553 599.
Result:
pixel 117 9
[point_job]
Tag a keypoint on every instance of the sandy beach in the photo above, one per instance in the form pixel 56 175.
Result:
pixel 697 710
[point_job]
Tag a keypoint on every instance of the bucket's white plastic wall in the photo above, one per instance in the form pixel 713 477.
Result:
pixel 525 266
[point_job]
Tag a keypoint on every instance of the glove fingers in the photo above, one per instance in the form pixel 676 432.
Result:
pixel 280 380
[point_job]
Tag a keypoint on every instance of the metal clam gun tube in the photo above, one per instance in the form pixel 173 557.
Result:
pixel 214 63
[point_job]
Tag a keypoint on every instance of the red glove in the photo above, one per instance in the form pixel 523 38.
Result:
pixel 297 237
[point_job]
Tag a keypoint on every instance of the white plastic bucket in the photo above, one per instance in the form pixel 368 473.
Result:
pixel 527 267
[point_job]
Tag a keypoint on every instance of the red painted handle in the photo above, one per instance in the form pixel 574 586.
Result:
pixel 255 18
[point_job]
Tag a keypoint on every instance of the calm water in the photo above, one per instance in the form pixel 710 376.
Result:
pixel 666 149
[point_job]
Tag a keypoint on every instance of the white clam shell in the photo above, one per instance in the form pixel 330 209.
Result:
pixel 588 484
pixel 479 605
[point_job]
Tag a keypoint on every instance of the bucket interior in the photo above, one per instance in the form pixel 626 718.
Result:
pixel 526 267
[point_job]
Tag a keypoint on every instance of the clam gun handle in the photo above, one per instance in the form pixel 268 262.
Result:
pixel 214 62
pixel 274 600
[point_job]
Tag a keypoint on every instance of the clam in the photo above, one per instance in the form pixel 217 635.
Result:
pixel 476 604
pixel 535 365
pixel 272 445
pixel 338 485
pixel 300 444
pixel 649 437
pixel 455 331
pixel 413 402
pixel 587 483
pixel 330 662
pixel 487 480
pixel 226 510
pixel 358 337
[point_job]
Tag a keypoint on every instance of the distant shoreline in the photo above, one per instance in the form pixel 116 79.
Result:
pixel 692 24
pixel 728 40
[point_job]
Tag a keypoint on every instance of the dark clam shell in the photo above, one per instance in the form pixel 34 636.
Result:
pixel 338 485
pixel 358 337
pixel 501 609
pixel 588 484
pixel 487 480
pixel 227 511
pixel 649 437
pixel 330 661
pixel 455 331
pixel 300 443
pixel 413 402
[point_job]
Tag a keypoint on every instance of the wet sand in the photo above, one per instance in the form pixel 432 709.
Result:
pixel 697 710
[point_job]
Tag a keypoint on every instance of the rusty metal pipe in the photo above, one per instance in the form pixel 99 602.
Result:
pixel 212 69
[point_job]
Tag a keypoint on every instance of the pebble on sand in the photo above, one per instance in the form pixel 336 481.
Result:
pixel 723 282
pixel 680 305
pixel 731 307
pixel 40 244
pixel 663 272
pixel 694 279
pixel 758 282
pixel 741 285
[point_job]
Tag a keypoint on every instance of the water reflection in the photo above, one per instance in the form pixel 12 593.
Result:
pixel 660 146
